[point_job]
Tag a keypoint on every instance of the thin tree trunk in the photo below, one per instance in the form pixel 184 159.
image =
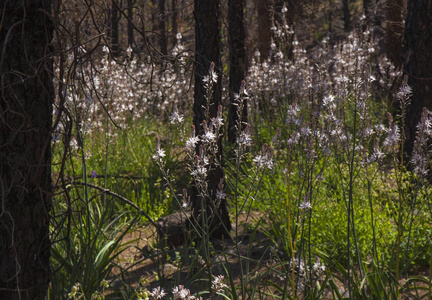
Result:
pixel 346 15
pixel 162 28
pixel 115 49
pixel 237 69
pixel 367 6
pixel 418 64
pixel 207 50
pixel 130 32
pixel 26 93
pixel 175 16
pixel 394 35
pixel 264 25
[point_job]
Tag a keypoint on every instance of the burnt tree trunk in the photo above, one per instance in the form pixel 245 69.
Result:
pixel 395 29
pixel 207 50
pixel 237 68
pixel 162 28
pixel 264 25
pixel 25 153
pixel 418 64
pixel 367 7
pixel 115 47
pixel 346 15
pixel 175 16
pixel 288 18
pixel 130 32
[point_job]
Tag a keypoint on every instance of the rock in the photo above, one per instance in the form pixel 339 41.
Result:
pixel 173 228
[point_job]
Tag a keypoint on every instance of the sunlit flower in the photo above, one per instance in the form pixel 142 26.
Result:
pixel 158 293
pixel 217 283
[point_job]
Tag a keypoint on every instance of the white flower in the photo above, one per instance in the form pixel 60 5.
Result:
pixel 305 205
pixel 220 195
pixel 158 293
pixel 160 153
pixel 200 171
pixel 328 100
pixel 176 118
pixel 191 143
pixel 317 267
pixel 263 160
pixel 209 137
pixel 181 293
pixel 217 284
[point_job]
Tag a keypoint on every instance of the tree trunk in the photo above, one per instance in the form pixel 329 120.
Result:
pixel 175 16
pixel 346 15
pixel 130 32
pixel 207 50
pixel 394 35
pixel 25 153
pixel 162 28
pixel 367 6
pixel 264 25
pixel 115 49
pixel 288 18
pixel 418 64
pixel 237 69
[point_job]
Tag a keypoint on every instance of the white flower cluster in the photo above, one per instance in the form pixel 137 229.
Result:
pixel 265 158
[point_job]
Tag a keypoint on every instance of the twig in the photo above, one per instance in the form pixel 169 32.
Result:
pixel 106 191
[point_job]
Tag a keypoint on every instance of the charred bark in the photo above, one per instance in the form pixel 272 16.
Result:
pixel 162 28
pixel 395 29
pixel 115 47
pixel 346 15
pixel 418 64
pixel 207 50
pixel 25 153
pixel 237 69
pixel 264 26
pixel 130 32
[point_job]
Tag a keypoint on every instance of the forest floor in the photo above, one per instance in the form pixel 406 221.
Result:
pixel 142 259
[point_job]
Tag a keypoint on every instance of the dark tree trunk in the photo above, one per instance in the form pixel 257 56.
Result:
pixel 237 68
pixel 175 16
pixel 162 28
pixel 130 32
pixel 207 50
pixel 25 154
pixel 418 64
pixel 367 6
pixel 394 35
pixel 264 25
pixel 288 18
pixel 346 15
pixel 115 49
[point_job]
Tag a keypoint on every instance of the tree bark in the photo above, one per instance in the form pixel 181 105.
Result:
pixel 237 68
pixel 367 5
pixel 130 32
pixel 115 47
pixel 346 15
pixel 394 35
pixel 264 25
pixel 418 64
pixel 175 16
pixel 162 28
pixel 207 50
pixel 26 93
